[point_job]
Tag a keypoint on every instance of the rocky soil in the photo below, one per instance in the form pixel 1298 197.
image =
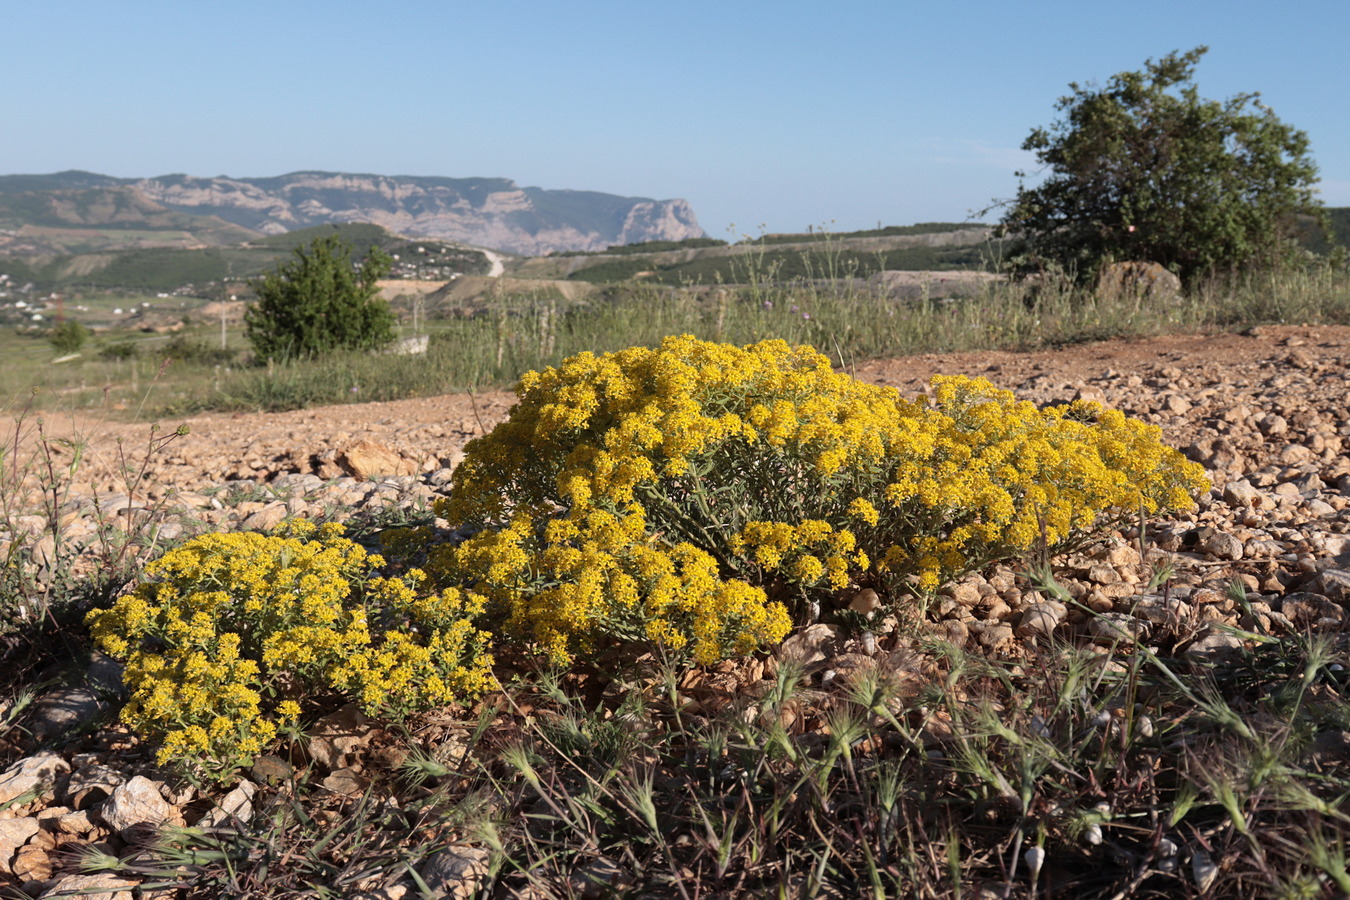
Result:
pixel 1267 550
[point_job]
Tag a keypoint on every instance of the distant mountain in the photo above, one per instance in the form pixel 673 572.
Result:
pixel 488 212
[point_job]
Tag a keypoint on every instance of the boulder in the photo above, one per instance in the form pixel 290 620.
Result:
pixel 1138 280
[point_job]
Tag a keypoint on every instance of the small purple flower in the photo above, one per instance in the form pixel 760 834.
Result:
pixel 794 307
pixel 806 315
pixel 768 304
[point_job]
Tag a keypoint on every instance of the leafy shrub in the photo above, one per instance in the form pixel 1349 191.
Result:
pixel 701 496
pixel 197 352
pixel 317 302
pixel 122 350
pixel 1144 169
pixel 238 633
pixel 68 337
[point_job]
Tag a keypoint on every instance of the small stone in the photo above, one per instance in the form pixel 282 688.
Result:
pixel 963 592
pixel 1040 619
pixel 14 833
pixel 1334 584
pixel 1214 646
pixel 457 872
pixel 1242 494
pixel 32 864
pixel 1308 610
pixel 1222 545
pixel 811 646
pixel 237 804
pixel 136 803
pixel 865 602
pixel 32 775
pixel 347 782
pixel 92 887
pixel 1114 626
pixel 995 636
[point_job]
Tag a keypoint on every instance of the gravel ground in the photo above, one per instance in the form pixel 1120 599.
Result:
pixel 1266 412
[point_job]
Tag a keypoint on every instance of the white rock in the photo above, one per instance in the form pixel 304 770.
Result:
pixel 1113 626
pixel 237 804
pixel 36 773
pixel 456 872
pixel 1041 618
pixel 138 802
pixel 1223 545
pixel 92 887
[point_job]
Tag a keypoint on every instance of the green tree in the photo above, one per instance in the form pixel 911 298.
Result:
pixel 1144 169
pixel 318 301
pixel 68 337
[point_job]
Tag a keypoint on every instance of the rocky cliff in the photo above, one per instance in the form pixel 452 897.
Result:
pixel 489 212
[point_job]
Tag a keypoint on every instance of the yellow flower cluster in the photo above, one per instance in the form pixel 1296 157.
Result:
pixel 689 494
pixel 233 631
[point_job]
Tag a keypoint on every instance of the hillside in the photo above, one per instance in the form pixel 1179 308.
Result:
pixel 927 247
pixel 167 268
pixel 487 212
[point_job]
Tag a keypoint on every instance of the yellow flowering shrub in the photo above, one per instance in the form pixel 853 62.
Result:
pixel 233 632
pixel 695 494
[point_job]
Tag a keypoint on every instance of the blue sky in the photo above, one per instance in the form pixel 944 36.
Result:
pixel 763 115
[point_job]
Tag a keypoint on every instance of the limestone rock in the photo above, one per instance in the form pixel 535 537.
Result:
pixel 34 774
pixel 91 887
pixel 337 740
pixel 367 459
pixel 1214 646
pixel 32 864
pixel 237 804
pixel 455 873
pixel 1241 493
pixel 14 833
pixel 136 803
pixel 1310 610
pixel 1222 545
pixel 1334 584
pixel 1144 280
pixel 1109 628
pixel 1041 618
pixel 811 646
